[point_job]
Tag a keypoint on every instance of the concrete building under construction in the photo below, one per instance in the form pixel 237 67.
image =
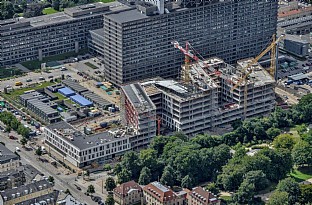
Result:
pixel 206 101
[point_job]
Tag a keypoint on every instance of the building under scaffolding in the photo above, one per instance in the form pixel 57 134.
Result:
pixel 207 102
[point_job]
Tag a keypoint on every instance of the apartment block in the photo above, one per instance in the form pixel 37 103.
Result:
pixel 207 101
pixel 157 194
pixel 24 39
pixel 8 159
pixel 128 193
pixel 137 41
pixel 12 178
pixel 200 196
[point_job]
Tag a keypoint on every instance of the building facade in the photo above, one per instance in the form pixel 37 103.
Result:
pixel 137 43
pixel 8 160
pixel 296 46
pixel 157 194
pixel 128 193
pixel 199 196
pixel 25 39
pixel 206 101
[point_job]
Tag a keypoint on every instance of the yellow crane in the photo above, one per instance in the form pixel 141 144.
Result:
pixel 248 68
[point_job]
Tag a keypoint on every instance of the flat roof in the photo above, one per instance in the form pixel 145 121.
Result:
pixel 81 100
pixel 298 76
pixel 126 16
pixel 6 155
pixel 74 85
pixel 95 98
pixel 42 106
pixel 66 91
pixel 138 97
pixel 99 32
pixel 80 140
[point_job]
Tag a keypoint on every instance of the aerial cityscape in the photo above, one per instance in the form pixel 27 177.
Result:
pixel 155 102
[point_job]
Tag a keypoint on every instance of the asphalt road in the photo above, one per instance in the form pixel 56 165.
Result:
pixel 62 182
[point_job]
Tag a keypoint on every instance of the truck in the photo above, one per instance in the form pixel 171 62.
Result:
pixel 18 83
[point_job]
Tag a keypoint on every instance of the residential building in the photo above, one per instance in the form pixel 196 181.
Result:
pixel 69 200
pixel 296 46
pixel 137 41
pixel 12 178
pixel 157 194
pixel 200 196
pixel 81 150
pixel 8 159
pixel 206 101
pixel 39 191
pixel 96 43
pixel 128 193
pixel 24 39
pixel 41 106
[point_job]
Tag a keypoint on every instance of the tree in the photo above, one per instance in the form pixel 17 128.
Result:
pixel 51 179
pixel 67 192
pixel 90 189
pixel 273 132
pixel 109 200
pixel 168 176
pixel 302 153
pixel 110 184
pixel 245 193
pixel 56 4
pixel 306 193
pixel 278 198
pixel 285 141
pixel 117 169
pixel 212 187
pixel 23 141
pixel 8 129
pixel 131 162
pixel 187 182
pixel 124 176
pixel 24 4
pixel 39 151
pixel 145 176
pixel 148 158
pixel 107 167
pixel 6 10
pixel 290 186
pixel 258 178
pixel 33 9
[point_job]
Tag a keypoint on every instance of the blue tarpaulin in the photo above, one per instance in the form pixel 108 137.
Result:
pixel 81 100
pixel 66 91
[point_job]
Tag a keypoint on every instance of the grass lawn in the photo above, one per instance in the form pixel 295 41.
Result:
pixel 10 72
pixel 36 64
pixel 60 96
pixel 49 10
pixel 226 198
pixel 294 132
pixel 91 65
pixel 15 93
pixel 302 173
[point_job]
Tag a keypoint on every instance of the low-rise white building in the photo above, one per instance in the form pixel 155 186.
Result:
pixel 83 150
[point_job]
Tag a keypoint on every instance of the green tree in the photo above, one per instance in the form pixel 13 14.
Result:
pixel 8 129
pixel 131 162
pixel 301 129
pixel 39 151
pixel 124 176
pixel 24 4
pixel 56 4
pixel 158 143
pixel 278 198
pixel 187 182
pixel 168 176
pixel 109 200
pixel 51 179
pixel 273 132
pixel 258 178
pixel 23 141
pixel 290 186
pixel 213 188
pixel 90 189
pixel 245 193
pixel 306 193
pixel 285 141
pixel 302 153
pixel 7 10
pixel 14 124
pixel 110 184
pixel 147 158
pixel 181 136
pixel 145 176
pixel 117 168
pixel 107 167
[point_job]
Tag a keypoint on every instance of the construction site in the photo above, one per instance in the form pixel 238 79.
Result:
pixel 209 94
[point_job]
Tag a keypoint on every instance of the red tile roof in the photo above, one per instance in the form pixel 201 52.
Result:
pixel 202 195
pixel 160 192
pixel 125 187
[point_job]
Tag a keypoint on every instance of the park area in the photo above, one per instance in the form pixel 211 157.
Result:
pixel 9 72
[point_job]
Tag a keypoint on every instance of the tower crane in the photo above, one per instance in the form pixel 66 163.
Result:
pixel 189 54
pixel 248 68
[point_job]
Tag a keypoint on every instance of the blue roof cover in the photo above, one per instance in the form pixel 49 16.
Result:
pixel 66 91
pixel 81 100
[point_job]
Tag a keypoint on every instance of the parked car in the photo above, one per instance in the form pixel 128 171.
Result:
pixel 28 80
pixel 41 78
pixel 51 76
